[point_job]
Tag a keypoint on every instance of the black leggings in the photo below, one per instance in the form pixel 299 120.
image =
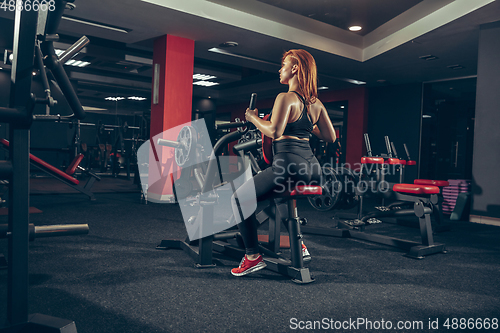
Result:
pixel 293 164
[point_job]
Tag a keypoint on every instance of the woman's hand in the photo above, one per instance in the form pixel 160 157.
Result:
pixel 251 114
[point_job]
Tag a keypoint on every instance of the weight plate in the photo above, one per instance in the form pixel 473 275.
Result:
pixel 182 188
pixel 329 200
pixel 349 180
pixel 188 138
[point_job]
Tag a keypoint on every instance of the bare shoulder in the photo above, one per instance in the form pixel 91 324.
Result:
pixel 316 108
pixel 318 104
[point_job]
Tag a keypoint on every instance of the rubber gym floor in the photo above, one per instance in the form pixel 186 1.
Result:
pixel 115 280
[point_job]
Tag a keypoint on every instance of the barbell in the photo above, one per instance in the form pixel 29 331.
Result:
pixel 49 230
pixel 185 146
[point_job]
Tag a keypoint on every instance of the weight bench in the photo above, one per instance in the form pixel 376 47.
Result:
pixel 67 176
pixel 424 197
pixel 437 212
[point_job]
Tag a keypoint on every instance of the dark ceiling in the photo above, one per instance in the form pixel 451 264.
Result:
pixel 395 35
pixel 368 14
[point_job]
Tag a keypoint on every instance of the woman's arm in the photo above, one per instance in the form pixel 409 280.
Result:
pixel 324 128
pixel 274 127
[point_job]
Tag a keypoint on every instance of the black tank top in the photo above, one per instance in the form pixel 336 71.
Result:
pixel 302 127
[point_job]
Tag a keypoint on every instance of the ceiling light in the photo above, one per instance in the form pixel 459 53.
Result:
pixel 426 116
pixel 428 57
pixel 205 83
pixel 91 108
pixel 1 68
pixel 77 63
pixel 203 77
pixel 323 88
pixel 135 98
pixel 221 51
pixel 34 73
pixel 228 44
pixel 342 107
pixel 98 25
pixel 456 67
pixel 114 99
pixel 355 81
pixel 355 28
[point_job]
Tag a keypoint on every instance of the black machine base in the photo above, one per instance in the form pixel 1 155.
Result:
pixel 420 251
pixel 278 265
pixel 39 323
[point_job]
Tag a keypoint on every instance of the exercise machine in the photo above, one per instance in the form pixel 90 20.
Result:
pixel 19 116
pixel 408 200
pixel 67 177
pixel 280 209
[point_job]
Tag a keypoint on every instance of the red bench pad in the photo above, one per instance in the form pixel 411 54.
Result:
pixel 439 183
pixel 39 162
pixel 392 161
pixel 372 160
pixel 76 162
pixel 306 190
pixel 411 162
pixel 415 189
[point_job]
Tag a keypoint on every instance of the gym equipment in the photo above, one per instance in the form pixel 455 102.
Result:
pixel 43 231
pixel 19 115
pixel 67 176
pixel 329 199
pixel 339 192
pixel 280 209
pixel 437 214
pixel 423 198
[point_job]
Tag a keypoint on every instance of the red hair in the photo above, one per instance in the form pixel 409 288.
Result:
pixel 307 74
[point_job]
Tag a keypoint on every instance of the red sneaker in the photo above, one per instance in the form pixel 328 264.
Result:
pixel 248 266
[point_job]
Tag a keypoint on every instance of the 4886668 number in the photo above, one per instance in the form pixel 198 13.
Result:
pixel 471 323
pixel 28 5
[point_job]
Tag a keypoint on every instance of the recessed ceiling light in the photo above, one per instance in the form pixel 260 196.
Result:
pixel 342 106
pixel 355 28
pixel 428 57
pixel 94 24
pixel 135 98
pixel 456 67
pixel 323 88
pixel 228 44
pixel 205 83
pixel 221 51
pixel 203 77
pixel 426 116
pixel 1 68
pixel 114 99
pixel 91 108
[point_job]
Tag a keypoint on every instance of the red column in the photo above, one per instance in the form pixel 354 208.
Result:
pixel 171 105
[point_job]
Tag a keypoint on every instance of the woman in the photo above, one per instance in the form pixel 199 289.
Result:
pixel 295 115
